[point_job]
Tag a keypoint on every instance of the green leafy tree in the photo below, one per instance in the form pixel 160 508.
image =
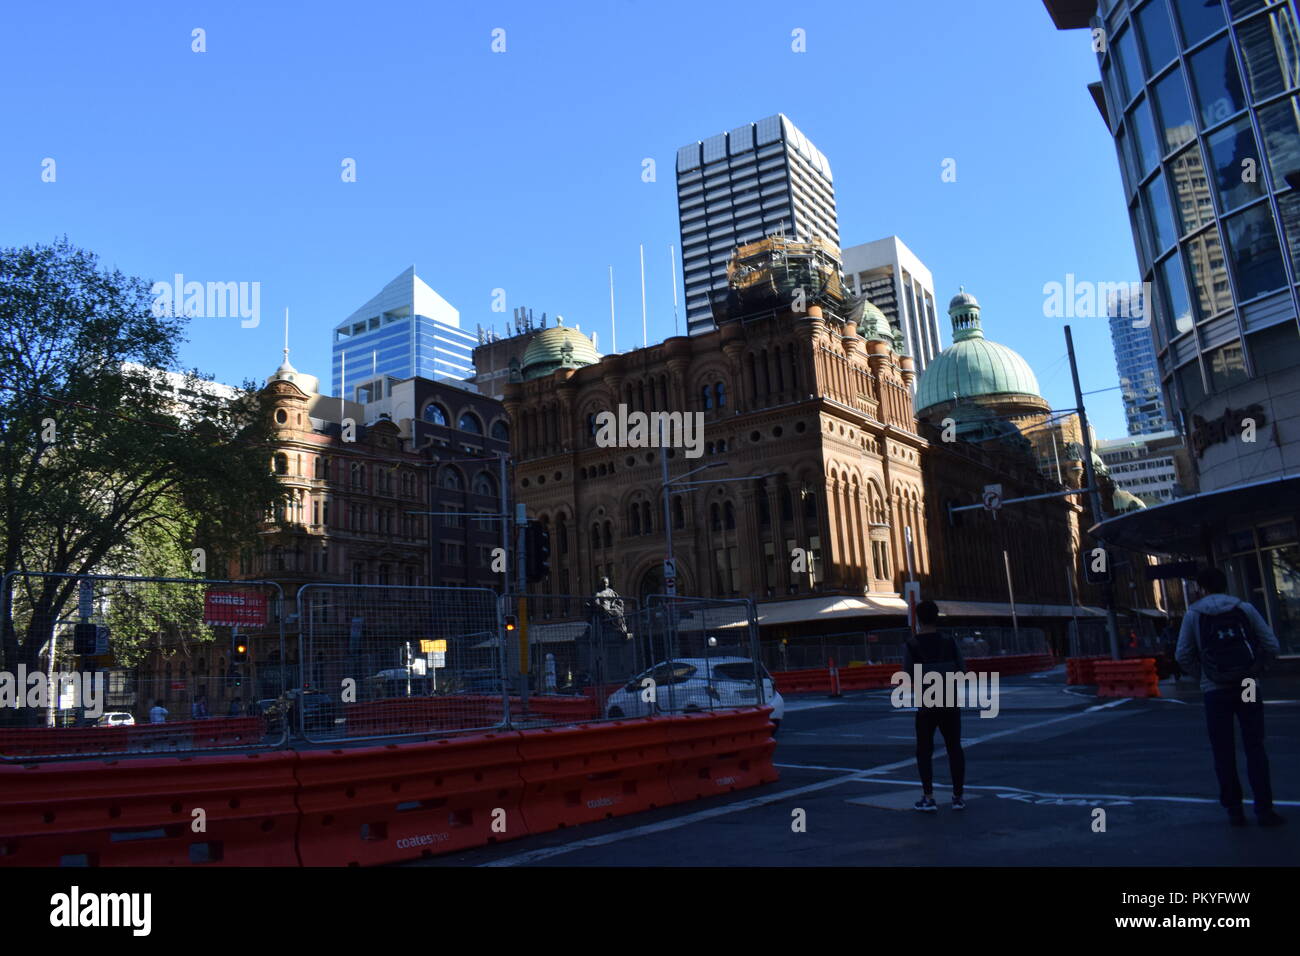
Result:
pixel 99 463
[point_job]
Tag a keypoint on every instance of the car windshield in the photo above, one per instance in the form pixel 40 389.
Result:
pixel 739 670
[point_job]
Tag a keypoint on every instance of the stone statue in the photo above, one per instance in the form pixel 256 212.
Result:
pixel 607 601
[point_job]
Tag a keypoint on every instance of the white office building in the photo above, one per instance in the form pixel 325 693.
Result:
pixel 1144 465
pixel 760 179
pixel 899 285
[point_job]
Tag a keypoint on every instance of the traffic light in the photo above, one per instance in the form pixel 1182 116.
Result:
pixel 84 638
pixel 537 542
pixel 512 623
pixel 238 649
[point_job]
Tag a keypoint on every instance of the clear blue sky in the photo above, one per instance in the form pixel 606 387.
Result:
pixel 522 170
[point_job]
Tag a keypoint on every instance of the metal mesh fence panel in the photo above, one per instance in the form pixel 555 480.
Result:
pixel 108 664
pixel 886 646
pixel 382 661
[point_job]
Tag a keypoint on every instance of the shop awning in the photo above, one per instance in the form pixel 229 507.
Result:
pixel 1182 526
pixel 827 608
pixel 994 609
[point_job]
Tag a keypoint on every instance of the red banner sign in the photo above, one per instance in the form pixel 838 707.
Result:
pixel 234 609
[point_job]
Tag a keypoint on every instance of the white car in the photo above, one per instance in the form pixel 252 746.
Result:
pixel 115 718
pixel 691 684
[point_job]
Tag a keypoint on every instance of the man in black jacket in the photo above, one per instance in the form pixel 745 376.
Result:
pixel 935 652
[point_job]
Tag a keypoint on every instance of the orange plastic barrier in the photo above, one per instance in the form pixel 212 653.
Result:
pixel 368 805
pixel 141 812
pixel 1131 678
pixel 720 752
pixel 557 707
pixel 578 775
pixel 1079 670
pixel 43 741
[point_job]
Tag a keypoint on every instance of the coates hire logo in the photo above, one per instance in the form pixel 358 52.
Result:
pixel 76 909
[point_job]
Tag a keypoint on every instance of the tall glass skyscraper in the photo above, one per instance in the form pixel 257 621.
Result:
pixel 1135 363
pixel 1203 100
pixel 733 188
pixel 405 330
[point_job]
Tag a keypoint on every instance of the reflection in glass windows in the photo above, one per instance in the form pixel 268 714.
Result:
pixel 1256 259
pixel 1208 274
pixel 1218 87
pixel 1128 69
pixel 1157 35
pixel 1175 111
pixel 1173 286
pixel 1226 365
pixel 1280 124
pixel 1195 208
pixel 1198 19
pixel 1270 47
pixel 1237 176
pixel 1156 200
pixel 1289 205
pixel 1144 134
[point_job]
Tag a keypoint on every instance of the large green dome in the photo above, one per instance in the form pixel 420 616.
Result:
pixel 972 366
pixel 557 347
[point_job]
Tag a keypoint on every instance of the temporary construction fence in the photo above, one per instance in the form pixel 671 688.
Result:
pixel 885 646
pixel 346 662
pixel 107 664
pixel 381 660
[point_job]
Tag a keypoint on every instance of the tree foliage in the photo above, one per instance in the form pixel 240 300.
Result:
pixel 101 467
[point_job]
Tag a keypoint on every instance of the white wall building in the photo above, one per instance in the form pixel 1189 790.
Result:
pixel 899 285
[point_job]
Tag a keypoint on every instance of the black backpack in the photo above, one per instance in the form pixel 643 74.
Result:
pixel 945 664
pixel 1229 646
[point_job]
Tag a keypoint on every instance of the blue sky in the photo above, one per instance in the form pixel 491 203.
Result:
pixel 522 170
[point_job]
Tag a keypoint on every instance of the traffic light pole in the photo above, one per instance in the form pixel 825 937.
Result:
pixel 1108 591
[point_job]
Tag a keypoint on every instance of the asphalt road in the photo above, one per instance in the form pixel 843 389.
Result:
pixel 1035 774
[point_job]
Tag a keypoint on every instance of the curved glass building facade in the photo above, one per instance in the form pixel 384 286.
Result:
pixel 1202 98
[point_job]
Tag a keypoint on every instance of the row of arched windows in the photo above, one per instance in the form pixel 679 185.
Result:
pixel 436 414
pixel 772 372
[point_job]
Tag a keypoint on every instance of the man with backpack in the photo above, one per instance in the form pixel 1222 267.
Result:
pixel 1230 644
pixel 935 652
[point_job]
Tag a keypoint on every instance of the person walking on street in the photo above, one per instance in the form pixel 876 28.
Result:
pixel 935 653
pixel 1229 644
pixel 157 713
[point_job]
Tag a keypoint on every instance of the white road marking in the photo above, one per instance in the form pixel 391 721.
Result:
pixel 1076 796
pixel 851 776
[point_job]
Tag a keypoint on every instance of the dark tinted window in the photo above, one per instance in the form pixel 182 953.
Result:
pixel 1218 87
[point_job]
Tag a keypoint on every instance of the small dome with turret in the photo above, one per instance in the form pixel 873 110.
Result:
pixel 555 348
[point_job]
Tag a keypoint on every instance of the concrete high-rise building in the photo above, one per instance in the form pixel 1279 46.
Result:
pixel 899 285
pixel 1147 466
pixel 1135 363
pixel 758 180
pixel 1202 98
pixel 405 330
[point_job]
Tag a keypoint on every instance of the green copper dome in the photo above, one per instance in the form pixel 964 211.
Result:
pixel 557 347
pixel 871 322
pixel 972 366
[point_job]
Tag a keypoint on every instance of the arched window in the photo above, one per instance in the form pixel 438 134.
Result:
pixel 435 413
pixel 787 505
pixel 809 495
pixel 708 397
pixel 609 534
pixel 728 516
pixel 720 395
pixel 281 463
pixel 500 430
pixel 634 519
pixel 646 520
pixel 595 535
pixel 322 466
pixel 562 535
pixel 469 423
pixel 453 479
pixel 485 484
